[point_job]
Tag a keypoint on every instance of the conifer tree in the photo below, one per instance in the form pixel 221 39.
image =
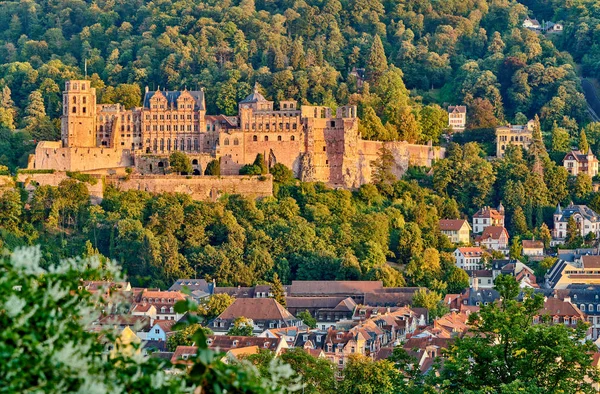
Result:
pixel 35 111
pixel 519 223
pixel 377 63
pixel 560 139
pixel 584 146
pixel 537 149
pixel 277 290
pixel 8 113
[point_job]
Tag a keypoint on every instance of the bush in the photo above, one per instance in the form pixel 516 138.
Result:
pixel 87 178
pixel 26 171
pixel 213 168
pixel 281 173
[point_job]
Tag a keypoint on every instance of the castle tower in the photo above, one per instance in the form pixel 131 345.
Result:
pixel 78 122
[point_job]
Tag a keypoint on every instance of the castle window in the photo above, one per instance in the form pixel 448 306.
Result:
pixel 195 162
pixel 83 88
pixel 162 144
pixel 226 142
pixel 174 127
pixel 155 145
pixel 189 144
pixel 333 123
pixel 84 109
pixel 324 149
pixel 147 127
pixel 254 138
pixel 161 165
pixel 101 128
pixel 284 105
pixel 169 145
pixel 84 100
pixel 295 126
pixel 189 128
pixel 175 146
pixel 196 144
pixel 287 126
pixel 74 110
pixel 196 127
pixel 75 86
pixel 236 141
pixel 266 137
pixel 293 138
pixel 278 138
pixel 182 144
pixel 189 117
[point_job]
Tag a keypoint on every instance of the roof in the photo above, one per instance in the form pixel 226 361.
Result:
pixel 254 97
pixel 590 262
pixel 556 307
pixel 192 284
pixel 236 292
pixel 487 213
pixel 457 108
pixel 388 299
pixel 493 232
pixel 225 343
pixel 244 351
pixel 165 325
pixel 312 302
pixel 475 251
pixel 161 296
pixel 527 244
pixel 172 96
pixel 256 309
pixel 319 287
pixel 583 210
pixel 480 273
pixel 182 353
pixel 452 224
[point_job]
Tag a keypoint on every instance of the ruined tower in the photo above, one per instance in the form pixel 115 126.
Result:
pixel 78 122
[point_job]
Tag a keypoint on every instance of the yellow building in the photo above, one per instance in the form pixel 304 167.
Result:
pixel 457 230
pixel 518 135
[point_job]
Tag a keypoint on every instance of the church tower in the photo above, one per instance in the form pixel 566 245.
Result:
pixel 78 123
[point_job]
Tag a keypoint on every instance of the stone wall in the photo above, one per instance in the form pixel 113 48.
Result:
pixel 200 188
pixel 203 188
pixel 51 155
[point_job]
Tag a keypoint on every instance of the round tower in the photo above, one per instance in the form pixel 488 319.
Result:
pixel 78 122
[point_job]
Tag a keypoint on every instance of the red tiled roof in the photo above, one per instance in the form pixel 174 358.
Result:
pixel 180 351
pixel 318 287
pixel 590 261
pixel 493 232
pixel 556 307
pixel 471 251
pixel 528 244
pixel 452 224
pixel 488 213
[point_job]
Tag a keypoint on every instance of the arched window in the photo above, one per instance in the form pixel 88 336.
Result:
pixel 169 144
pixel 196 144
pixel 175 145
pixel 266 137
pixel 163 309
pixel 155 144
pixel 74 100
pixel 162 144
pixel 101 128
pixel 293 138
pixel 74 110
pixel 161 164
pixel 226 141
pixel 236 141
pixel 189 144
pixel 254 138
pixel 195 162
pixel 182 144
pixel 278 138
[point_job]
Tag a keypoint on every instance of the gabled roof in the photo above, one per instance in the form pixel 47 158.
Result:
pixel 488 213
pixel 225 343
pixel 192 284
pixel 165 325
pixel 452 224
pixel 256 309
pixel 590 262
pixel 473 251
pixel 583 210
pixel 172 96
pixel 313 302
pixel 579 156
pixel 182 353
pixel 493 232
pixel 319 287
pixel 457 109
pixel 532 244
pixel 556 307
pixel 254 97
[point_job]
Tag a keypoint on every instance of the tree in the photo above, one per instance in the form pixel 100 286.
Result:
pixel 8 113
pixel 281 174
pixel 377 63
pixel 583 186
pixel 363 375
pixel 407 125
pixel 507 352
pixel 430 300
pixel 584 146
pixel 383 176
pixel 515 248
pixel 180 163
pixel 307 318
pixel 261 163
pixel 277 290
pixel 519 222
pixel 433 122
pixel 213 168
pixel 457 280
pixel 35 111
pixel 242 326
pixel 371 128
pixel 560 139
pixel 215 305
pixel 317 374
pixel 184 337
pixel 573 238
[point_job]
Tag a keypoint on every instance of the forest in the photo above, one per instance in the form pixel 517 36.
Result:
pixel 418 56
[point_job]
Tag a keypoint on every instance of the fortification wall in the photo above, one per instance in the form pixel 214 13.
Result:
pixel 51 155
pixel 32 181
pixel 159 164
pixel 200 188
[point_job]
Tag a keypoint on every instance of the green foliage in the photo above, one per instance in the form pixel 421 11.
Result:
pixel 362 375
pixel 87 178
pixel 507 353
pixel 213 168
pixel 432 301
pixel 185 336
pixel 278 290
pixel 241 327
pixel 307 318
pixel 180 163
pixel 281 174
pixel 215 305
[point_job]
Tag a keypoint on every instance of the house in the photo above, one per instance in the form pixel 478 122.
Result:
pixel 469 258
pixel 517 135
pixel 481 279
pixel 584 271
pixel 457 117
pixel 560 312
pixel 339 345
pixel 360 75
pixel 587 299
pixel 586 219
pixel 263 312
pixel 532 248
pixel 532 24
pixel 457 230
pixel 162 301
pixel 487 216
pixel 577 162
pixel 551 27
pixel 160 330
pixel 342 288
pixel 493 238
pixel 326 310
pixel 199 288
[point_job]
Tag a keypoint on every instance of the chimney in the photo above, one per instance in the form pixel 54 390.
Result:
pixel 475 282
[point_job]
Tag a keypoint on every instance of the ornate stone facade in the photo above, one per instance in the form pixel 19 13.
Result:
pixel 316 143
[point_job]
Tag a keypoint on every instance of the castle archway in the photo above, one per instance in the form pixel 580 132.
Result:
pixel 196 172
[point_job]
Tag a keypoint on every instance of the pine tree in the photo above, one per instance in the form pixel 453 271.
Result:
pixel 377 63
pixel 560 139
pixel 35 110
pixel 537 149
pixel 519 223
pixel 277 290
pixel 584 146
pixel 8 113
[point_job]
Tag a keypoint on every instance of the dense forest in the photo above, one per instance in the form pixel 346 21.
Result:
pixel 416 55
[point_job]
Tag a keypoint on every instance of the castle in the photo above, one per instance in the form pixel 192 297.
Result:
pixel 312 141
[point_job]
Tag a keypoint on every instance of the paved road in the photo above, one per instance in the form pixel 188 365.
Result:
pixel 591 96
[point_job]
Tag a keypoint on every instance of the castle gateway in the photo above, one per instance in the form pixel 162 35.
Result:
pixel 315 143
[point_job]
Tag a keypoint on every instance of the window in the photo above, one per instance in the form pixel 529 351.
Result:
pixel 74 110
pixel 292 138
pixel 582 307
pixel 266 137
pixel 278 138
pixel 226 141
pixel 254 138
pixel 156 331
pixel 236 141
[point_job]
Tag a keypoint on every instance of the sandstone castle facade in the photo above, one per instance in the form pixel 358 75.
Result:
pixel 315 143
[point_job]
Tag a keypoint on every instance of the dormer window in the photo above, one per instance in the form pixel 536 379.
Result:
pixel 319 336
pixel 235 343
pixel 209 341
pixel 305 338
pixel 266 345
pixel 339 336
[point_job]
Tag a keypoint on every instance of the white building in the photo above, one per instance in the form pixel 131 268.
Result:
pixel 486 217
pixel 494 238
pixel 586 219
pixel 457 117
pixel 469 258
pixel 577 161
